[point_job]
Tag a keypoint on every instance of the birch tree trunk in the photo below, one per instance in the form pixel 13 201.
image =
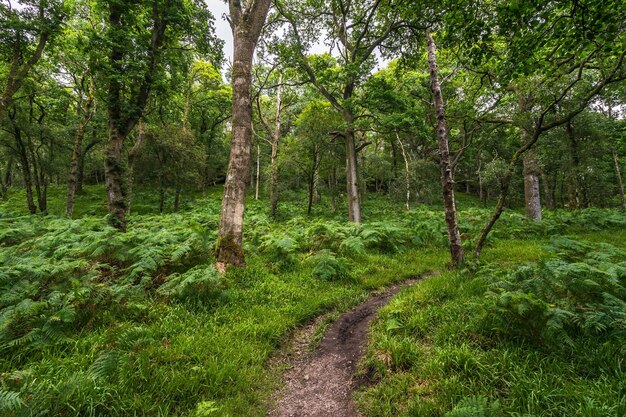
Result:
pixel 406 174
pixel 258 171
pixel 532 192
pixel 246 25
pixel 354 205
pixel 618 177
pixel 447 180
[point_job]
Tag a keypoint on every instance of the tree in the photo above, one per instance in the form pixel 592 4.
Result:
pixel 447 179
pixel 546 63
pixel 140 40
pixel 25 32
pixel 247 21
pixel 357 30
pixel 315 133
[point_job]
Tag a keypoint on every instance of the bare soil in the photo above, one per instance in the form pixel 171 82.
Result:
pixel 320 384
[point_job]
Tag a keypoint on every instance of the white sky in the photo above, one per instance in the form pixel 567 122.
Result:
pixel 219 9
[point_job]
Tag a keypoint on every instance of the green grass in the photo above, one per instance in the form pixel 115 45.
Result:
pixel 436 348
pixel 93 322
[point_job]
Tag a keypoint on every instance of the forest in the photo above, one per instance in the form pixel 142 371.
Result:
pixel 312 208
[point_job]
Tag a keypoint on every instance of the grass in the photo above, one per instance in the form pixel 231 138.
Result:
pixel 97 323
pixel 436 351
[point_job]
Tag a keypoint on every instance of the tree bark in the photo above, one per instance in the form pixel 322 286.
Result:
pixel 354 205
pixel 532 192
pixel 6 179
pixel 447 180
pixel 24 165
pixel 246 26
pixel 258 171
pixel 115 180
pixel 310 191
pixel 618 177
pixel 72 181
pixel 548 192
pixel 406 174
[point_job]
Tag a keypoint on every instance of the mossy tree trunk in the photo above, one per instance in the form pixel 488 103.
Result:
pixel 246 24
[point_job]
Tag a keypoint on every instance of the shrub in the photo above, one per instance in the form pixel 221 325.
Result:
pixel 201 284
pixel 328 267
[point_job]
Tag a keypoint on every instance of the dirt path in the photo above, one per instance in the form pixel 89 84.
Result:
pixel 320 384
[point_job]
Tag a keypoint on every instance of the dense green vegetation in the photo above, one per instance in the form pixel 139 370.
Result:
pixel 100 323
pixel 546 338
pixel 175 201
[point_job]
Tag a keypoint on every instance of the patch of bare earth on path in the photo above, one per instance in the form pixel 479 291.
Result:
pixel 320 383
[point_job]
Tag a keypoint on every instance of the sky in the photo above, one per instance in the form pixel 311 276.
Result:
pixel 219 8
pixel 222 28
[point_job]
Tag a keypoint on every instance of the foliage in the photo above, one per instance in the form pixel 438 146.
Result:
pixel 478 345
pixel 579 293
pixel 328 267
pixel 475 407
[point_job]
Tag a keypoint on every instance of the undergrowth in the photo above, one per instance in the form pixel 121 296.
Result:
pixel 542 339
pixel 94 322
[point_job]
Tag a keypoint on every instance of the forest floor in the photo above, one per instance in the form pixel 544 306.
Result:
pixel 98 323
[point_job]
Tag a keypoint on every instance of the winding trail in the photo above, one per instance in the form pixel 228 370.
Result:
pixel 320 384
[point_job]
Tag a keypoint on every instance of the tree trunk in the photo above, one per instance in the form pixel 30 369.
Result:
pixel 115 179
pixel 618 177
pixel 72 181
pixel 80 173
pixel 25 165
pixel 532 192
pixel 354 205
pixel 406 174
pixel 447 180
pixel 311 184
pixel 258 171
pixel 28 181
pixel 274 158
pixel 19 67
pixel 177 198
pixel 316 188
pixel 246 26
pixel 6 180
pixel 230 244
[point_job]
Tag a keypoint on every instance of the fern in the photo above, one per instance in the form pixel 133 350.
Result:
pixel 10 401
pixel 328 267
pixel 201 284
pixel 476 407
pixel 578 293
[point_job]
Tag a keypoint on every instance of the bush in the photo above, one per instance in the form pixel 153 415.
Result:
pixel 201 284
pixel 581 292
pixel 328 267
